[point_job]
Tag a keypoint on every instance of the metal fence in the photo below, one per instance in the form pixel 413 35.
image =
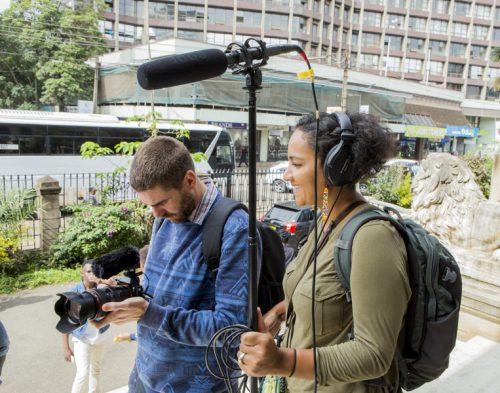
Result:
pixel 76 188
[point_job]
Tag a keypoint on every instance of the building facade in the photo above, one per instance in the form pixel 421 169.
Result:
pixel 446 43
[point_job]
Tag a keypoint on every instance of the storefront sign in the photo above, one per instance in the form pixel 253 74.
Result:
pixel 425 132
pixel 461 132
pixel 227 124
pixel 9 146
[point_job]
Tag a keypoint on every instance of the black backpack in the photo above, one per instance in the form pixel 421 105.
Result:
pixel 272 265
pixel 431 320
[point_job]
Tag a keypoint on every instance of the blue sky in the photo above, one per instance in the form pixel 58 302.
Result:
pixel 4 4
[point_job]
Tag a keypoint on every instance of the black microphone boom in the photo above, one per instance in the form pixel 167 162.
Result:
pixel 116 261
pixel 196 66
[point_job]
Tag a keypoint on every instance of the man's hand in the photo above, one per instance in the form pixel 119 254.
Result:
pixel 68 352
pixel 128 310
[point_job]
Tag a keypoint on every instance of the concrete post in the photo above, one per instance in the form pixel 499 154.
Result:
pixel 48 191
pixel 495 179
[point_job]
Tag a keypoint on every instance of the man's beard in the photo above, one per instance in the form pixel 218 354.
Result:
pixel 187 206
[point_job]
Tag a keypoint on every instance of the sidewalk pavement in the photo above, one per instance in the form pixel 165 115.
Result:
pixel 35 362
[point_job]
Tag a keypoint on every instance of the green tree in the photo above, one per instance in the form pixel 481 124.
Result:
pixel 495 56
pixel 47 45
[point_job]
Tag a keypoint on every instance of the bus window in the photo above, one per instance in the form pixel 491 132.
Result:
pixel 62 146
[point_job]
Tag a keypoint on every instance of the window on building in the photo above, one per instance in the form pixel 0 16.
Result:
pixel 457 50
pixel 316 5
pixel 325 29
pixel 370 39
pixel 417 24
pixel 473 92
pixel 161 11
pixel 480 32
pixel 460 29
pixel 454 86
pixel 368 60
pixel 461 9
pixel 475 72
pixel 478 52
pixel 106 28
pixel 394 42
pixel 393 64
pixel 277 22
pixel 377 2
pixel 396 3
pixel 482 11
pixel 191 13
pixel 355 17
pixel 108 5
pixel 492 94
pixel 393 21
pixel 314 29
pixel 126 32
pixel 436 67
pixel 494 73
pixel 456 70
pixel 441 6
pixel 372 19
pixel 159 33
pixel 190 35
pixel 497 13
pixel 299 24
pixel 439 26
pixel 496 34
pixel 353 59
pixel 419 5
pixel 327 7
pixel 220 16
pixel 354 38
pixel 437 47
pixel 347 12
pixel 413 65
pixel 219 38
pixel 415 44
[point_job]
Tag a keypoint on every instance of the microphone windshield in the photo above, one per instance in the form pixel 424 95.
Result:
pixel 114 262
pixel 181 69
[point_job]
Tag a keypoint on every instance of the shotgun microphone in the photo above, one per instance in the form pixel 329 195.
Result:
pixel 204 64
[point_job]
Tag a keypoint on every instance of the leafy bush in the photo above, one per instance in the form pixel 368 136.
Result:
pixel 8 247
pixel 482 168
pixel 36 278
pixel 392 185
pixel 96 230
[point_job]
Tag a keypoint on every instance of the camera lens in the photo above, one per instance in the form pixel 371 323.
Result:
pixel 76 308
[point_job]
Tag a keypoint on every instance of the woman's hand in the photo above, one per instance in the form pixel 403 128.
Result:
pixel 258 354
pixel 274 317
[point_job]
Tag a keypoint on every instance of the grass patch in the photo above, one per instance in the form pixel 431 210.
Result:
pixel 37 278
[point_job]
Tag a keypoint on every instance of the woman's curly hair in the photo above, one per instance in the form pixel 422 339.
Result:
pixel 372 147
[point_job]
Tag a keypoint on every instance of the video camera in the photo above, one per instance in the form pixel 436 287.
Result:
pixel 76 308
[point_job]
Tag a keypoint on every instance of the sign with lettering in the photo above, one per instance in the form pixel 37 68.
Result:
pixel 228 124
pixel 425 132
pixel 9 146
pixel 461 132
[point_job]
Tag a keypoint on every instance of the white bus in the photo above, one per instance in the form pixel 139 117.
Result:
pixel 48 143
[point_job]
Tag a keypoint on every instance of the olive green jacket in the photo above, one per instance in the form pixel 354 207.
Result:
pixel 380 294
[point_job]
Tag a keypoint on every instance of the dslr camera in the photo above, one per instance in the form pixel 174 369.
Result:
pixel 74 309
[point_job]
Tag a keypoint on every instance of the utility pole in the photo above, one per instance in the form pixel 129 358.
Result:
pixel 345 59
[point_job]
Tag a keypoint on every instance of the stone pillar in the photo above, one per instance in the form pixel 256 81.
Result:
pixel 48 191
pixel 495 179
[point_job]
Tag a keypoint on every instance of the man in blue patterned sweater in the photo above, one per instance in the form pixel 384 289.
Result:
pixel 189 303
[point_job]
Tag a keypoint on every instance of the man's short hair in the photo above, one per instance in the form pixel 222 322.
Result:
pixel 160 161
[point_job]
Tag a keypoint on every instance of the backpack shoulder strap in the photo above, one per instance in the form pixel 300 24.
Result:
pixel 343 245
pixel 213 228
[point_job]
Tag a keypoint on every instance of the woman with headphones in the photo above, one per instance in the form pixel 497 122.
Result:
pixel 355 336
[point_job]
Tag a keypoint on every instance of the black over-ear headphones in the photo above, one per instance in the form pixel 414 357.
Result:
pixel 337 168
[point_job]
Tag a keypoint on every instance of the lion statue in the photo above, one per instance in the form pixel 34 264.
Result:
pixel 448 202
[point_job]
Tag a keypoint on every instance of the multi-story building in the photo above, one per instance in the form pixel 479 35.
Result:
pixel 436 42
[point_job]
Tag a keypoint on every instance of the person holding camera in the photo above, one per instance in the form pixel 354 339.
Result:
pixel 88 342
pixel 356 336
pixel 189 302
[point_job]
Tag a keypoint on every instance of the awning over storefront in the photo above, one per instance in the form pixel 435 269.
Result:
pixel 441 117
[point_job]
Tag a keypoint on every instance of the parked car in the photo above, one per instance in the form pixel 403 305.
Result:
pixel 291 222
pixel 274 177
